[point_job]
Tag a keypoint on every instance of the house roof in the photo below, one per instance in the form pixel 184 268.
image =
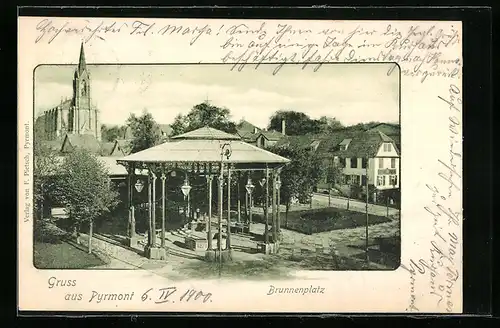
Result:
pixel 207 133
pixel 379 125
pixel 113 167
pixel 85 141
pixel 365 144
pixel 110 164
pixel 361 143
pixel 107 148
pixel 202 146
pixel 165 128
pixel 245 126
pixel 345 142
pixel 124 144
pixel 248 136
pixel 304 141
pixel 272 135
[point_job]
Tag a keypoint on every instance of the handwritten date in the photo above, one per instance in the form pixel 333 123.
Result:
pixel 173 295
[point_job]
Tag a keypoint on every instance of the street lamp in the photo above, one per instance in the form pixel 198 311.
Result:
pixel 139 185
pixel 186 188
pixel 250 187
pixel 278 200
pixel 262 182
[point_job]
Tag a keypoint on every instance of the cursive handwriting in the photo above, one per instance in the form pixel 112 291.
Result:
pixel 48 31
pixel 173 295
pixel 453 100
pixel 441 266
pixel 420 50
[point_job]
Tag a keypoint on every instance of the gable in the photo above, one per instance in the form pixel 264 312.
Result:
pixel 384 152
pixel 388 129
pixel 66 145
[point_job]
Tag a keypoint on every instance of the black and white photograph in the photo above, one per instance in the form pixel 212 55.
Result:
pixel 197 171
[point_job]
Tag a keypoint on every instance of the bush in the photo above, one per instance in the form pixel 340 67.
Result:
pixel 326 219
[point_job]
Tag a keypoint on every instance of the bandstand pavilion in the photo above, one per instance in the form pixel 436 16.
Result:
pixel 208 153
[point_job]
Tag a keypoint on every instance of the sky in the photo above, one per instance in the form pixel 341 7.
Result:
pixel 352 93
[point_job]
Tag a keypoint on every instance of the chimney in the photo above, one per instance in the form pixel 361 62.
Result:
pixel 255 130
pixel 283 127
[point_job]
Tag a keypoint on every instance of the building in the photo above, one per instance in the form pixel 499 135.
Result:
pixel 77 115
pixel 391 130
pixel 362 155
pixel 248 132
pixel 267 139
pixel 370 155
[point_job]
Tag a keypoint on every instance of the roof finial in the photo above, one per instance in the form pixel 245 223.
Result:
pixel 207 101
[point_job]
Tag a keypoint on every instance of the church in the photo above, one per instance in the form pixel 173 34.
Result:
pixel 77 115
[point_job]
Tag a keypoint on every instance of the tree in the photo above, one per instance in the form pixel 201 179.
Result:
pixel 297 123
pixel 45 167
pixel 110 134
pixel 334 173
pixel 202 115
pixel 144 130
pixel 299 177
pixel 330 124
pixel 84 189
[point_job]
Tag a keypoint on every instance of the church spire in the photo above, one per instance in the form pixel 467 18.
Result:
pixel 82 64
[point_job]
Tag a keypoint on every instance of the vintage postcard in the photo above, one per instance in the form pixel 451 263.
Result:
pixel 199 165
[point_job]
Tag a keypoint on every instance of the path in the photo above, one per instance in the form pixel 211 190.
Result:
pixel 321 201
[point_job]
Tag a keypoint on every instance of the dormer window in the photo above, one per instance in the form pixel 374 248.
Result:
pixel 344 144
pixel 387 147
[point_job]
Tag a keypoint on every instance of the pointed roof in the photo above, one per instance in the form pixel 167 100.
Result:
pixel 82 65
pixel 205 151
pixel 206 133
pixel 85 141
pixel 272 135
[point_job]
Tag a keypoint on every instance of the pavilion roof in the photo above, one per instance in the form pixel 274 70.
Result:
pixel 207 133
pixel 192 148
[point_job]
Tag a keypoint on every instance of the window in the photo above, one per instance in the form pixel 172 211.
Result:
pixel 387 147
pixel 363 180
pixel 354 162
pixel 364 163
pixel 393 163
pixel 393 180
pixel 380 180
pixel 381 163
pixel 355 179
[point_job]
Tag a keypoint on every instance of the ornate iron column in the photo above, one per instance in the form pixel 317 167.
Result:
pixel 228 239
pixel 153 209
pixel 273 206
pixel 209 227
pixel 267 206
pixel 163 199
pixel 278 186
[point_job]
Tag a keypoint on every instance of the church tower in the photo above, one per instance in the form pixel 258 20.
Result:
pixel 84 116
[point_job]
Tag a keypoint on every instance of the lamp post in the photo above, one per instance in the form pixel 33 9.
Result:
pixel 263 182
pixel 163 203
pixel 226 151
pixel 367 218
pixel 249 187
pixel 139 186
pixel 278 223
pixel 186 188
